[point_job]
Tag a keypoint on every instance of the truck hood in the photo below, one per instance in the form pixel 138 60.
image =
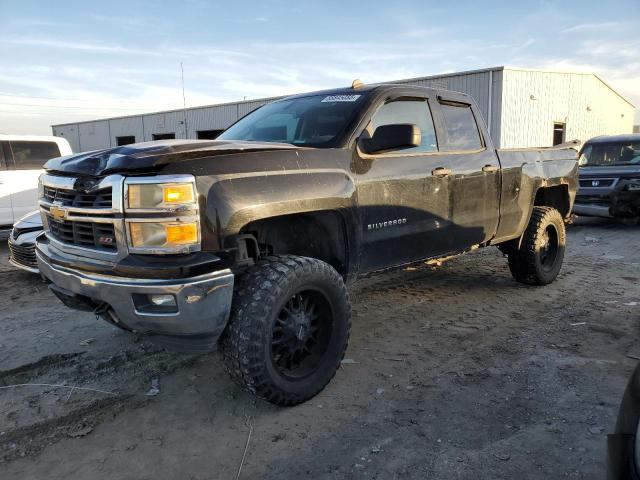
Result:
pixel 151 156
pixel 609 172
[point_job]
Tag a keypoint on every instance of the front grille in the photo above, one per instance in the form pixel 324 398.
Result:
pixel 71 198
pixel 23 254
pixel 100 236
pixel 600 183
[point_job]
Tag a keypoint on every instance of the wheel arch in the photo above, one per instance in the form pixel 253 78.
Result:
pixel 320 234
pixel 556 196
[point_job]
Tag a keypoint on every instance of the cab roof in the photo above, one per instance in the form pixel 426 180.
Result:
pixel 379 87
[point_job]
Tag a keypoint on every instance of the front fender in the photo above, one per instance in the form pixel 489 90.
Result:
pixel 238 200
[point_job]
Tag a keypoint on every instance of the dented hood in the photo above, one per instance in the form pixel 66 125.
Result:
pixel 152 156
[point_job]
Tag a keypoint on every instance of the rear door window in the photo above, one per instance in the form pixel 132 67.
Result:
pixel 461 127
pixel 29 155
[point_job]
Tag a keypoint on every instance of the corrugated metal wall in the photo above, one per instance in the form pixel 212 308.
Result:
pixel 93 135
pixel 70 132
pixel 163 123
pixel 484 86
pixel 503 96
pixel 533 101
pixel 219 117
pixel 128 126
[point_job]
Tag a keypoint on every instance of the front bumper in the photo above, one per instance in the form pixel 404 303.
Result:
pixel 591 210
pixel 203 302
pixel 22 251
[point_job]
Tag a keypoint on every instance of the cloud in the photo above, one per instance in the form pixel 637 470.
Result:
pixel 243 21
pixel 591 27
pixel 79 45
pixel 421 32
pixel 65 76
pixel 126 22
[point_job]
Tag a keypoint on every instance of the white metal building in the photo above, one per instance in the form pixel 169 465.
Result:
pixel 522 107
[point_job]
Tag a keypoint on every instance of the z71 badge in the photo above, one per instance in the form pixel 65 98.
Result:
pixel 389 223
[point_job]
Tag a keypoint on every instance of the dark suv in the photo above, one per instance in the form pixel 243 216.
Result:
pixel 610 177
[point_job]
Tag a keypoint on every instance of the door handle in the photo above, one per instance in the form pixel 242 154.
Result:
pixel 490 168
pixel 441 172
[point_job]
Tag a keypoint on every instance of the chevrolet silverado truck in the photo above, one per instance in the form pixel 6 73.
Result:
pixel 248 241
pixel 609 171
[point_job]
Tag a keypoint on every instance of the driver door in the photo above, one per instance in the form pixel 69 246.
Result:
pixel 403 201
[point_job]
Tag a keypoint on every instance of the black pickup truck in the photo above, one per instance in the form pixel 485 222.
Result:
pixel 248 241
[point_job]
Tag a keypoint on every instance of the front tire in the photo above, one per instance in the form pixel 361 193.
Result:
pixel 539 258
pixel 289 328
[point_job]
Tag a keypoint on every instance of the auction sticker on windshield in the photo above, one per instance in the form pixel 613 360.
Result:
pixel 341 98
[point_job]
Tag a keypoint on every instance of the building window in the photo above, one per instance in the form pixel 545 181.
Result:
pixel 164 136
pixel 208 134
pixel 559 133
pixel 125 140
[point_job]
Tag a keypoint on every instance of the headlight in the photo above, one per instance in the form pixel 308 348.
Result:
pixel 160 196
pixel 167 236
pixel 161 214
pixel 634 187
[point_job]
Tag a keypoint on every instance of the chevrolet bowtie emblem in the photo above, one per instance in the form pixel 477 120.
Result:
pixel 58 213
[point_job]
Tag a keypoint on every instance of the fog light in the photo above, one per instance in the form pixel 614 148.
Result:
pixel 163 300
pixel 155 304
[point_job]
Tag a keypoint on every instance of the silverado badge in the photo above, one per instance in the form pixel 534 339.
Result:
pixel 389 223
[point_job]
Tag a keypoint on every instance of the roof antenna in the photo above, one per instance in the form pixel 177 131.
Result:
pixel 356 84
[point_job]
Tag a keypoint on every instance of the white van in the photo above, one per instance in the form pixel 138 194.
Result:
pixel 21 161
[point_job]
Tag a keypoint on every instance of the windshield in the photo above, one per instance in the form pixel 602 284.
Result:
pixel 614 153
pixel 314 121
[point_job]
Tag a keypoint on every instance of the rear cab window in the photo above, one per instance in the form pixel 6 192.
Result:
pixel 410 111
pixel 461 128
pixel 31 155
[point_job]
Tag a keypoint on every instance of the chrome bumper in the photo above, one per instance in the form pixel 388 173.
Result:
pixel 203 302
pixel 591 210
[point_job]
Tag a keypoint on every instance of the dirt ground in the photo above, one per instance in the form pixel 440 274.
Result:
pixel 452 372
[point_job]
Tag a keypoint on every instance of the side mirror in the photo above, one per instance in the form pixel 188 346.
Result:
pixel 392 137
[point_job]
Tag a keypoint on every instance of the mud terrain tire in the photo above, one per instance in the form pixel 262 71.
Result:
pixel 288 330
pixel 539 258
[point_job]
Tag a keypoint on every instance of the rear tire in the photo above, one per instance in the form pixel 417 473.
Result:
pixel 539 258
pixel 289 328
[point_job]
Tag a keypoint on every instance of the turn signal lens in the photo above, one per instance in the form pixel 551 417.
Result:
pixel 163 235
pixel 182 234
pixel 177 193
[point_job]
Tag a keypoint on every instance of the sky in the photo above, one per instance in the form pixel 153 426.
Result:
pixel 82 60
